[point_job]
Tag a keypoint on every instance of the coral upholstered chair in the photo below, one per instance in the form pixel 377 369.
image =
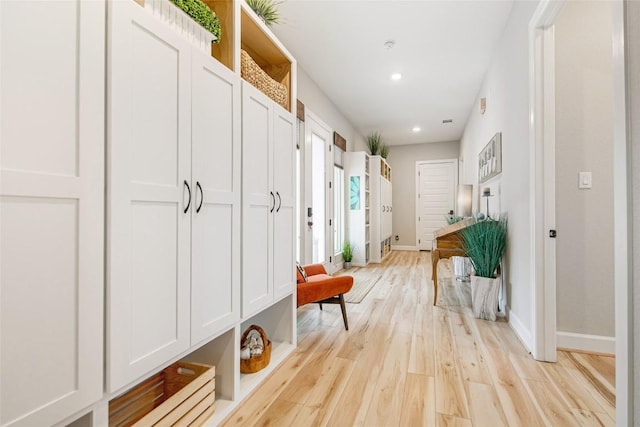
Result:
pixel 321 288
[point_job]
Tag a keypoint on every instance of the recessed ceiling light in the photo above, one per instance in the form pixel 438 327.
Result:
pixel 396 76
pixel 416 129
pixel 447 121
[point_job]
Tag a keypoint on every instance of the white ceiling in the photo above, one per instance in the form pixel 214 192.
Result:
pixel 442 49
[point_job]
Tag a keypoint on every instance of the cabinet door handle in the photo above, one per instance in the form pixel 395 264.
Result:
pixel 274 201
pixel 279 201
pixel 186 184
pixel 198 186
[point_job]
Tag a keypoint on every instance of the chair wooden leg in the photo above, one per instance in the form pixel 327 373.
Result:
pixel 344 311
pixel 320 304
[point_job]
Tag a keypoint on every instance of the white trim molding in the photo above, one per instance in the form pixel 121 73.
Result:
pixel 404 248
pixel 586 342
pixel 520 330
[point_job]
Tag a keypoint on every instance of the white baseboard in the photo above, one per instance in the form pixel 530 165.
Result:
pixel 404 248
pixel 521 331
pixel 585 342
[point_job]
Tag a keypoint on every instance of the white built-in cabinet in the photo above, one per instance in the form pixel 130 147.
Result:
pixel 148 132
pixel 381 208
pixel 173 195
pixel 52 209
pixel 268 150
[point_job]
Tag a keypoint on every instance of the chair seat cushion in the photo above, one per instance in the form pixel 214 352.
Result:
pixel 322 286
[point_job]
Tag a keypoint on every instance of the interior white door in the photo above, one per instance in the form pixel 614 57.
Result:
pixel 436 183
pixel 52 209
pixel 150 195
pixel 258 200
pixel 319 193
pixel 284 212
pixel 215 227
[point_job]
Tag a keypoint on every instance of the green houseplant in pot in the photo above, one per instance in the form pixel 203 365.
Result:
pixel 374 143
pixel 484 243
pixel 347 254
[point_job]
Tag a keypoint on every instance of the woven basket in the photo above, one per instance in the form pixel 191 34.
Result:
pixel 252 73
pixel 256 363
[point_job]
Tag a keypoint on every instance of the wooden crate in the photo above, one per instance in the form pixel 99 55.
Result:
pixel 182 394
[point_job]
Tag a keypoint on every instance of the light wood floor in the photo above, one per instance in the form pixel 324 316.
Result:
pixel 405 362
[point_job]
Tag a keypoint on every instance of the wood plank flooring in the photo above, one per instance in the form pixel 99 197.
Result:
pixel 405 362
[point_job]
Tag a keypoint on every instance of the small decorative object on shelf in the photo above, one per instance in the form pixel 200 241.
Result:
pixel 255 353
pixel 191 18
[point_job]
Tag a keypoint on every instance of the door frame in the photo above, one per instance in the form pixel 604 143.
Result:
pixel 541 150
pixel 313 122
pixel 454 162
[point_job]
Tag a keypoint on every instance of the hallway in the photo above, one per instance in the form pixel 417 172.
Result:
pixel 406 362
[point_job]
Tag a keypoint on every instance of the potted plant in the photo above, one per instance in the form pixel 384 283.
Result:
pixel 374 143
pixel 267 10
pixel 384 150
pixel 484 243
pixel 347 254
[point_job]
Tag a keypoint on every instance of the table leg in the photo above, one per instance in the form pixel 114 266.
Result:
pixel 435 257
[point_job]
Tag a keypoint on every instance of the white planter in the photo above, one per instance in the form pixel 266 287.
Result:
pixel 484 297
pixel 347 265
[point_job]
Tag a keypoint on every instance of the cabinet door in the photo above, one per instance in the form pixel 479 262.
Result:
pixel 258 200
pixel 215 239
pixel 149 141
pixel 52 209
pixel 284 185
pixel 386 214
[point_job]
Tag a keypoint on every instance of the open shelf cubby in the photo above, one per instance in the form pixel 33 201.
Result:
pixel 277 321
pixel 265 49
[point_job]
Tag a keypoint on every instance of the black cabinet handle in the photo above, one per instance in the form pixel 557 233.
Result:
pixel 274 201
pixel 189 190
pixel 279 201
pixel 201 196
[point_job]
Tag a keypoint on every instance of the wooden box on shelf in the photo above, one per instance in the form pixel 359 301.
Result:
pixel 182 393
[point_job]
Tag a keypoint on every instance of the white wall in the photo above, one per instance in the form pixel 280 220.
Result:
pixel 315 100
pixel 584 142
pixel 506 87
pixel 402 159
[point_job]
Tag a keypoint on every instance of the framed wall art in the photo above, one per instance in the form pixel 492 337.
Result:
pixel 490 159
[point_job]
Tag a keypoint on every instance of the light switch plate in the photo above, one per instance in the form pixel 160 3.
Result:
pixel 584 180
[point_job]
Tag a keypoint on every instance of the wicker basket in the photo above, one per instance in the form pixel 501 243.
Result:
pixel 256 363
pixel 252 73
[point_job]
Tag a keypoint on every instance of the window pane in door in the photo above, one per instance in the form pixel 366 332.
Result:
pixel 338 209
pixel 318 197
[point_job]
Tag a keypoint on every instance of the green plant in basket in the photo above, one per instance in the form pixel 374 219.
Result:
pixel 201 13
pixel 347 251
pixel 267 10
pixel 484 243
pixel 374 143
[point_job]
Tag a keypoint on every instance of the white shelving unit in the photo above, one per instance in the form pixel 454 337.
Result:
pixel 358 183
pixel 381 208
